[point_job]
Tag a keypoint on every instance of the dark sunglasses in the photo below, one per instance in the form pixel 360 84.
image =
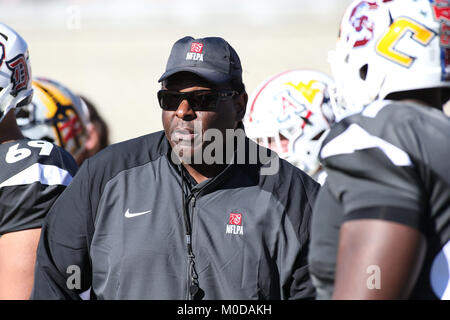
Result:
pixel 200 100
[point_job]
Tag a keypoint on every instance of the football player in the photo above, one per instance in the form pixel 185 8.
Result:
pixel 33 173
pixel 58 115
pixel 381 223
pixel 98 130
pixel 291 113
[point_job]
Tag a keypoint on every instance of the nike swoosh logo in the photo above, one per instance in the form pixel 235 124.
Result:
pixel 128 214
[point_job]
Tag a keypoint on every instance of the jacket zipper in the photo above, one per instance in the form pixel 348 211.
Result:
pixel 191 274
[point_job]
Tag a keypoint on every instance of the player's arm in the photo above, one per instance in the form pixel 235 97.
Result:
pixel 17 259
pixel 27 196
pixel 381 189
pixel 377 259
pixel 63 268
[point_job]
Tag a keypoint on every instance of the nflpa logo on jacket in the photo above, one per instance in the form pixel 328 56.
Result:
pixel 234 224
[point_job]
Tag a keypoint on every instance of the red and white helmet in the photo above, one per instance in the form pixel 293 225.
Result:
pixel 291 114
pixel 15 71
pixel 387 46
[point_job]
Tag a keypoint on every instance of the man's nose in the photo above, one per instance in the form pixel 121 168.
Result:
pixel 185 111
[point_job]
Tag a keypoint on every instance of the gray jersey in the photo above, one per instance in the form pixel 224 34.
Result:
pixel 393 156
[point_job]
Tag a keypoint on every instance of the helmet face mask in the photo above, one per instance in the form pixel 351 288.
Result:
pixel 388 46
pixel 56 115
pixel 15 71
pixel 290 114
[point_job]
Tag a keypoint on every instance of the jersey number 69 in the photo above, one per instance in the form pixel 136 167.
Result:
pixel 15 154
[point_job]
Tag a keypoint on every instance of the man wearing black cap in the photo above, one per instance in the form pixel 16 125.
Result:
pixel 175 215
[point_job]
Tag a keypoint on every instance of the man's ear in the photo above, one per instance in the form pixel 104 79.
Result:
pixel 241 105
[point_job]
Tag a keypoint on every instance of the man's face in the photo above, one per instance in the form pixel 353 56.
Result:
pixel 185 128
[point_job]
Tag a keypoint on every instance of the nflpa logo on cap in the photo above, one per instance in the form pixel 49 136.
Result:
pixel 195 53
pixel 196 47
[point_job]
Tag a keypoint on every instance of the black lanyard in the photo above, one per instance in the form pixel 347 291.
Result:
pixel 194 288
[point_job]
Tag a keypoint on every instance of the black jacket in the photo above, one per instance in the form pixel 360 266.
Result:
pixel 121 223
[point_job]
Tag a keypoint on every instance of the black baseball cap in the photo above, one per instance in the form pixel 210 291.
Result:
pixel 211 58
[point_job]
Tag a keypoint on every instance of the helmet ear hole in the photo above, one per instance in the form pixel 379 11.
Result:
pixel 363 71
pixel 317 136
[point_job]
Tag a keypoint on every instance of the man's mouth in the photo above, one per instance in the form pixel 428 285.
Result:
pixel 184 135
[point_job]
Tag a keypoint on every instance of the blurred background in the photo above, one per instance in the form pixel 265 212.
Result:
pixel 113 52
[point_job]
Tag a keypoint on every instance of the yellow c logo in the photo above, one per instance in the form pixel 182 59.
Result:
pixel 386 45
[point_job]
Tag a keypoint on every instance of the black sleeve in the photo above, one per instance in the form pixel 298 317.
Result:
pixel 63 269
pixel 301 287
pixel 298 215
pixel 25 206
pixel 325 225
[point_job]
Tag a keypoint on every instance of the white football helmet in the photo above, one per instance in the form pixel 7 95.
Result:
pixel 291 114
pixel 387 46
pixel 55 114
pixel 15 71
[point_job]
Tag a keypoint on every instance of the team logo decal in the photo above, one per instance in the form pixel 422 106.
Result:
pixel 68 127
pixel 2 53
pixel 71 128
pixel 195 53
pixel 441 13
pixel 306 90
pixel 234 225
pixel 291 100
pixel 291 105
pixel 19 76
pixel 361 22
